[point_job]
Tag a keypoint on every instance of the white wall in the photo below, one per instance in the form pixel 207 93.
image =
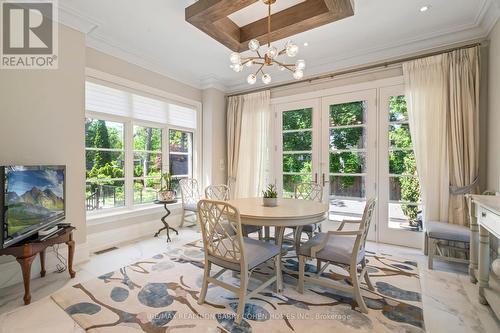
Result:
pixel 494 110
pixel 112 65
pixel 42 116
pixel 214 137
pixel 42 122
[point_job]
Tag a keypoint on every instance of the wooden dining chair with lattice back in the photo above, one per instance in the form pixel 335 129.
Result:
pixel 222 192
pixel 230 250
pixel 343 248
pixel 190 195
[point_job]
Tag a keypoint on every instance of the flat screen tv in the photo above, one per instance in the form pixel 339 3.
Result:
pixel 32 198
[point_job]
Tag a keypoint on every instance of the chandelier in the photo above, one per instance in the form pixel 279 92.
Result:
pixel 269 58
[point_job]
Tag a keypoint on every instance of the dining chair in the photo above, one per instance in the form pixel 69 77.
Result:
pixel 230 250
pixel 307 191
pixel 341 248
pixel 222 193
pixel 190 195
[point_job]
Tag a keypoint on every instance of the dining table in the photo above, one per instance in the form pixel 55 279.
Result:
pixel 287 214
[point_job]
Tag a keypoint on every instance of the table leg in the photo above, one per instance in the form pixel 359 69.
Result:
pixel 484 263
pixel 26 269
pixel 71 254
pixel 42 264
pixel 474 242
pixel 166 225
pixel 267 233
pixel 278 238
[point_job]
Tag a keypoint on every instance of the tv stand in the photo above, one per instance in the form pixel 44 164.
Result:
pixel 26 251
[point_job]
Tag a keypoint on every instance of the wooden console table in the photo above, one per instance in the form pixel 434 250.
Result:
pixel 26 251
pixel 484 221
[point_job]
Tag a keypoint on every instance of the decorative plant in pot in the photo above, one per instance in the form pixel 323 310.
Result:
pixel 270 196
pixel 166 193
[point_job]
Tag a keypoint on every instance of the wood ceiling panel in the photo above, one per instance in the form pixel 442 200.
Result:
pixel 211 16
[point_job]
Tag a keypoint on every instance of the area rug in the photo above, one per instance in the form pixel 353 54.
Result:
pixel 160 295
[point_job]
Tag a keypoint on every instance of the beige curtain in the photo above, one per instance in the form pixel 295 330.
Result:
pixel 426 88
pixel 463 135
pixel 443 107
pixel 234 118
pixel 249 143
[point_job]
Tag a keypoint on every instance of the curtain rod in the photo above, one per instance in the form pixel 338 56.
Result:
pixel 360 69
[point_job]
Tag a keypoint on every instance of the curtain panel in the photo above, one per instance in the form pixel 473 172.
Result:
pixel 443 106
pixel 234 117
pixel 249 143
pixel 463 135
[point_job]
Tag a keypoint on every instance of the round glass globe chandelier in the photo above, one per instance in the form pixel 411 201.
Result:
pixel 263 60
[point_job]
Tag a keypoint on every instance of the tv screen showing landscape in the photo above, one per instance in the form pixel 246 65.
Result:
pixel 34 196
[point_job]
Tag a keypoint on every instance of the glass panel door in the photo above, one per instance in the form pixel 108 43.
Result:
pixel 399 194
pixel 348 154
pixel 296 145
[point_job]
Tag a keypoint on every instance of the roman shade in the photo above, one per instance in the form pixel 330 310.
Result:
pixel 117 102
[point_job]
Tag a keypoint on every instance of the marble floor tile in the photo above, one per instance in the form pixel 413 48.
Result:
pixel 449 299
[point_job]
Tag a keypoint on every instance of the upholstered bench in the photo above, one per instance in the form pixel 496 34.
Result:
pixel 438 236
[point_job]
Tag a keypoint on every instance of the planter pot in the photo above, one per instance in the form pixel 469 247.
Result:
pixel 270 202
pixel 166 195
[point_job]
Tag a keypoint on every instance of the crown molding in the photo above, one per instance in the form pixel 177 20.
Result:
pixel 479 29
pixel 81 22
pixel 476 31
pixel 76 20
pixel 212 81
pixel 489 16
pixel 134 56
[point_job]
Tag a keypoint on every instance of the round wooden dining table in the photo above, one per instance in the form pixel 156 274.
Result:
pixel 288 213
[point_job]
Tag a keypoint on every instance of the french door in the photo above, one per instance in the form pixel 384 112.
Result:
pixel 298 144
pixel 348 154
pixel 358 146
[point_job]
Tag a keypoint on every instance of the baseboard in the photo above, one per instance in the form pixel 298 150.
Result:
pixel 98 241
pixel 10 272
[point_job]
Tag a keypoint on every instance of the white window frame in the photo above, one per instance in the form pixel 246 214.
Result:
pixel 164 166
pixel 193 140
pixel 383 88
pixel 197 168
pixel 94 116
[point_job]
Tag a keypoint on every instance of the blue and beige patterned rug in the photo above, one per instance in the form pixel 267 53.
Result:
pixel 160 295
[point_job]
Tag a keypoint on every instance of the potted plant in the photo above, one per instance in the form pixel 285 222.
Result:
pixel 166 193
pixel 270 196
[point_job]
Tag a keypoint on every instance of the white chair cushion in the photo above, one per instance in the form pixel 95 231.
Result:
pixel 447 231
pixel 339 249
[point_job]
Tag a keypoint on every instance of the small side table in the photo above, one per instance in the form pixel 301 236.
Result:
pixel 163 219
pixel 26 251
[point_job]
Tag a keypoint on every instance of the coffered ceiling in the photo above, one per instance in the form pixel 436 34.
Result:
pixel 154 34
pixel 291 18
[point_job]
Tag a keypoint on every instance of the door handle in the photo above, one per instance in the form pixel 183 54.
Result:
pixel 316 177
pixel 324 180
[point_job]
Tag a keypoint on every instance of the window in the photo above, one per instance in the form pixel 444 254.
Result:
pixel 404 189
pixel 297 148
pixel 347 148
pixel 104 155
pixel 180 156
pixel 128 137
pixel 148 164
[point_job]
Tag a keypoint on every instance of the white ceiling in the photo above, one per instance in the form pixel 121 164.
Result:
pixel 154 35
